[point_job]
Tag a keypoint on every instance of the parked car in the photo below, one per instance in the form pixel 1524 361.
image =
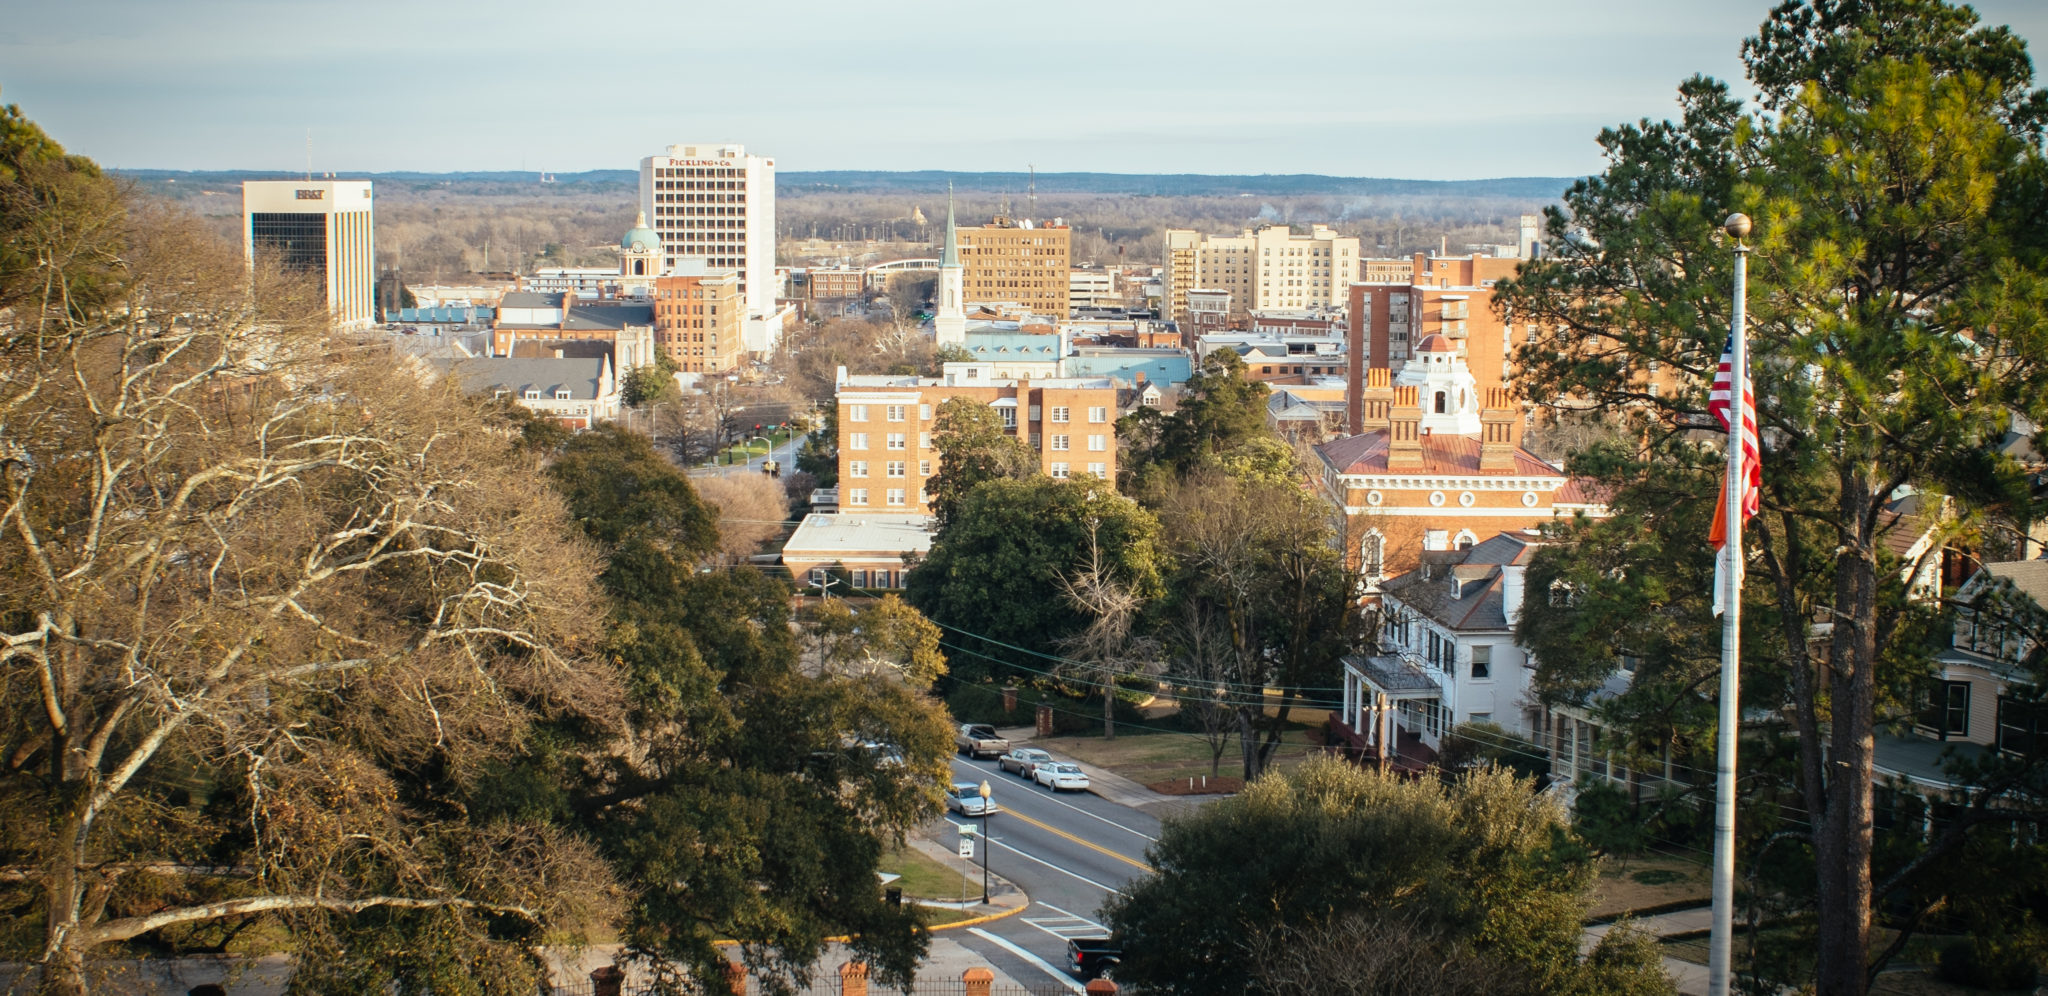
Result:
pixel 1093 957
pixel 965 798
pixel 1060 776
pixel 979 740
pixel 1021 760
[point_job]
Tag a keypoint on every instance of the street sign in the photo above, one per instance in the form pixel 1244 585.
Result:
pixel 966 846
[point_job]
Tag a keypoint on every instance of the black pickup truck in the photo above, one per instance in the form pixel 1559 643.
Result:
pixel 1093 957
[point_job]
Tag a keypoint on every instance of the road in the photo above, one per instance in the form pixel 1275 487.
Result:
pixel 1068 851
pixel 785 453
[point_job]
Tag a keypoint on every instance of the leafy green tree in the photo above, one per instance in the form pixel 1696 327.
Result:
pixel 1897 307
pixel 742 801
pixel 1478 873
pixel 948 353
pixel 819 455
pixel 648 384
pixel 61 223
pixel 1220 412
pixel 974 447
pixel 994 569
pixel 885 637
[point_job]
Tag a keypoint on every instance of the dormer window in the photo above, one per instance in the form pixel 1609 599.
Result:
pixel 563 395
pixel 531 395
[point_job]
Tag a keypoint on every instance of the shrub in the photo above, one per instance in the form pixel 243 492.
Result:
pixel 1990 962
pixel 1606 819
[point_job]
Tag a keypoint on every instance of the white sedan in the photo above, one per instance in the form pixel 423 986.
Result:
pixel 1060 777
pixel 965 798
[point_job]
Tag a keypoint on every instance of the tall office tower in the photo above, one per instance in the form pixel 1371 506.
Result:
pixel 318 226
pixel 717 203
pixel 949 326
pixel 1019 262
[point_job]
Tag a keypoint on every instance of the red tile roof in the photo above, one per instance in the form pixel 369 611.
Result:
pixel 1446 453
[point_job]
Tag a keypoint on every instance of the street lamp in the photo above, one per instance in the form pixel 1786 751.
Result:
pixel 985 846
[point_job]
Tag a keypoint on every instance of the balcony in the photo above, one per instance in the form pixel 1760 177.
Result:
pixel 1456 311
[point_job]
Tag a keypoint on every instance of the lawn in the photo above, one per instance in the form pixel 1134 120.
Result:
pixel 1156 758
pixel 1648 880
pixel 925 877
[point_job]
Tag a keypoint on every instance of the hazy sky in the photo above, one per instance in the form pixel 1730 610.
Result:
pixel 1417 89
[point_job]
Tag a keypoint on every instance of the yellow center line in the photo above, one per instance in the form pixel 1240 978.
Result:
pixel 1091 845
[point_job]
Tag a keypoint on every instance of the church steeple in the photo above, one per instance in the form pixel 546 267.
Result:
pixel 949 255
pixel 949 326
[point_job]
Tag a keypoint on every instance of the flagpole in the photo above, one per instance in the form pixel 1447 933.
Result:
pixel 1731 629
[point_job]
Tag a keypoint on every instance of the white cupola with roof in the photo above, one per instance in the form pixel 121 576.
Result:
pixel 1447 389
pixel 639 258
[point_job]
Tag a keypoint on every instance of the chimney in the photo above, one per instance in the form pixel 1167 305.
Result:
pixel 1497 432
pixel 1511 592
pixel 1376 400
pixel 1404 440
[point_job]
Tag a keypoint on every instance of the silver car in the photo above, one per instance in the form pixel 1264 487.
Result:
pixel 965 798
pixel 1061 777
pixel 1021 761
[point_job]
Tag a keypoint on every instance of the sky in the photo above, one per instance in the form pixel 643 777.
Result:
pixel 1415 89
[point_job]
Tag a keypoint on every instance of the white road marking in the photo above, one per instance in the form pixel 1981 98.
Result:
pixel 1054 867
pixel 1071 913
pixel 1062 977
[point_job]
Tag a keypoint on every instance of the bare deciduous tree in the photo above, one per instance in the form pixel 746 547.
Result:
pixel 263 597
pixel 1105 647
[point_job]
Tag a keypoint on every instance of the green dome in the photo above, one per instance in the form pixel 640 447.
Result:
pixel 641 237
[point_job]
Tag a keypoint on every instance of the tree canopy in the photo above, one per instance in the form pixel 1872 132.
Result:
pixel 973 447
pixel 1898 322
pixel 1479 873
pixel 991 574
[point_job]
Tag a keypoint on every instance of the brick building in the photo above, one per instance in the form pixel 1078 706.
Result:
pixel 1411 481
pixel 1018 262
pixel 886 454
pixel 698 316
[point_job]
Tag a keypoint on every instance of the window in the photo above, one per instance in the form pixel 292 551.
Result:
pixel 563 396
pixel 895 440
pixel 2019 725
pixel 924 412
pixel 818 575
pixel 1099 469
pixel 857 496
pixel 860 578
pixel 894 413
pixel 1482 663
pixel 856 413
pixel 895 496
pixel 1434 652
pixel 924 440
pixel 1059 470
pixel 1009 416
pixel 856 440
pixel 1945 708
pixel 895 468
pixel 531 396
pixel 1098 414
pixel 1059 414
pixel 881 579
pixel 1098 442
pixel 1481 717
pixel 924 468
pixel 1372 555
pixel 1059 442
pixel 856 468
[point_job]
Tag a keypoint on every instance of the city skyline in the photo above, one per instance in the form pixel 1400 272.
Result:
pixel 1501 90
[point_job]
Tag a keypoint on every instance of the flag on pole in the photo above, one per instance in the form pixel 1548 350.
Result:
pixel 1719 401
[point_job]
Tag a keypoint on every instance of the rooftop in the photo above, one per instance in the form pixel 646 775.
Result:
pixel 822 535
pixel 1442 453
pixel 582 378
pixel 1477 604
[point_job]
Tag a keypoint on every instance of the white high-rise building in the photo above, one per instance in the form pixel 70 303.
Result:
pixel 318 226
pixel 717 203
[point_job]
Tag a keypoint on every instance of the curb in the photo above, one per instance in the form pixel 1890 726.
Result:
pixel 969 922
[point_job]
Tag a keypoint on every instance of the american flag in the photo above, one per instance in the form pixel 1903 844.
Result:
pixel 1752 473
pixel 1718 403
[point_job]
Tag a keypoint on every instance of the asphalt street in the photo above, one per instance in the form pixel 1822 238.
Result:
pixel 1068 851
